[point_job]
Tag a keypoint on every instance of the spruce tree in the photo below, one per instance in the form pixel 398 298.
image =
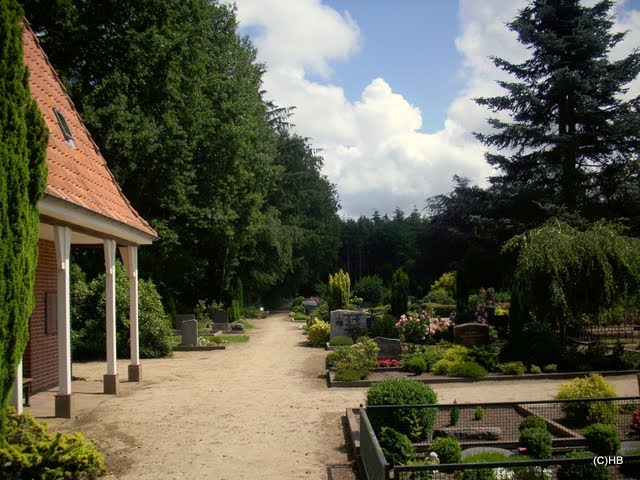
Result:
pixel 23 139
pixel 572 141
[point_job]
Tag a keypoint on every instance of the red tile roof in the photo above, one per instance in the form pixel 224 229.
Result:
pixel 79 175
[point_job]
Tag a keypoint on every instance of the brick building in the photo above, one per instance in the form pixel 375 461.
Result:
pixel 82 206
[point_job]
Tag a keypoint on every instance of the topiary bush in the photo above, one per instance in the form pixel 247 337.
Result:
pixel 396 446
pixel 369 288
pixel 532 421
pixel 582 471
pixel 318 333
pixel 602 439
pixel 448 449
pixel 537 441
pixel 417 423
pixel 467 370
pixel 478 413
pixel 454 414
pixel 30 451
pixel 512 368
pixel 585 413
pixel 415 364
pixel 341 341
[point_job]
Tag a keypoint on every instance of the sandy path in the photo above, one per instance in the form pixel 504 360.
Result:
pixel 255 411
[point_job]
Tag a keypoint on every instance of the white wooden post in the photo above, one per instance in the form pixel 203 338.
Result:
pixel 16 399
pixel 63 402
pixel 111 378
pixel 130 258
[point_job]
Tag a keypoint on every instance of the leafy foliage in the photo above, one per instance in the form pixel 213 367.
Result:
pixel 341 341
pixel 415 364
pixel 361 356
pixel 30 451
pixel 88 338
pixel 551 257
pixel 339 291
pixel 584 471
pixel 467 369
pixel 370 288
pixel 537 441
pixel 384 326
pixel 532 421
pixel 584 413
pixel 318 332
pixel 417 423
pixel 602 439
pixel 512 368
pixel 396 446
pixel 448 449
pixel 23 139
pixel 399 292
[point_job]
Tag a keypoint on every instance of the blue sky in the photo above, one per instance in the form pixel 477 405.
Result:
pixel 384 88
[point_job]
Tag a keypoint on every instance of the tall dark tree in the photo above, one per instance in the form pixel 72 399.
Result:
pixel 571 143
pixel 23 140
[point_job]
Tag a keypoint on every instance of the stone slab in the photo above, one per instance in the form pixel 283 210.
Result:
pixel 180 317
pixel 220 316
pixel 390 348
pixel 189 332
pixel 342 321
pixel 471 334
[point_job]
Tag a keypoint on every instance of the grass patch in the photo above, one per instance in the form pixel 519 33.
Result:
pixel 486 457
pixel 247 325
pixel 212 340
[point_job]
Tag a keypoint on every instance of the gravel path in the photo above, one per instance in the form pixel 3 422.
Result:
pixel 259 410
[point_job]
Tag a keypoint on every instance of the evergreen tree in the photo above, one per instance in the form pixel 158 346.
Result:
pixel 572 142
pixel 23 140
pixel 399 292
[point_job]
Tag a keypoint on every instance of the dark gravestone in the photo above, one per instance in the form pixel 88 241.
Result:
pixel 348 323
pixel 180 317
pixel 220 321
pixel 390 348
pixel 309 305
pixel 189 330
pixel 471 334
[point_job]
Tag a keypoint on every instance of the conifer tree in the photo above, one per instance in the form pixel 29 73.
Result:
pixel 572 141
pixel 23 139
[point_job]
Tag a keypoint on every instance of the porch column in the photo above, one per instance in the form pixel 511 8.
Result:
pixel 16 399
pixel 111 378
pixel 63 402
pixel 130 258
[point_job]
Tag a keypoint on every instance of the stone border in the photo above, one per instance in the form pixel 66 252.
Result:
pixel 204 348
pixel 489 378
pixel 353 424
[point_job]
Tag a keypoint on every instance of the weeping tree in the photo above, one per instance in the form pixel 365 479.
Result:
pixel 23 139
pixel 565 276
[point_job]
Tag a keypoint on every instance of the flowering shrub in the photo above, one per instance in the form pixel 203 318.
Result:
pixel 635 422
pixel 392 363
pixel 314 299
pixel 416 328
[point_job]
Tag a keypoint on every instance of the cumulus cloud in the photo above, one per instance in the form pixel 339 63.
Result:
pixel 374 149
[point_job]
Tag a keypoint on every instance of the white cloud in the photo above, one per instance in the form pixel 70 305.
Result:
pixel 373 148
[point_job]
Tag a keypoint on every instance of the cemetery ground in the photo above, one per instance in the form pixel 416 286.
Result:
pixel 260 409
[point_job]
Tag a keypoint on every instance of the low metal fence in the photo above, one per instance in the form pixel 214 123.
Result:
pixel 497 425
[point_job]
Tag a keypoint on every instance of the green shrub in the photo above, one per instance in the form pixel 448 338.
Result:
pixel 537 441
pixel 396 446
pixel 318 333
pixel 448 449
pixel 457 353
pixel 535 369
pixel 361 356
pixel 340 341
pixel 468 370
pixel 384 326
pixel 417 423
pixel 439 310
pixel 582 471
pixel 302 316
pixel 485 356
pixel 532 421
pixel 30 451
pixel 339 291
pixel 299 309
pixel 347 375
pixel 442 367
pixel 297 301
pixel 440 296
pixel 322 312
pixel 251 312
pixel 88 337
pixel 369 288
pixel 584 413
pixel 478 413
pixel 512 368
pixel 550 368
pixel 602 439
pixel 454 414
pixel 432 353
pixel 399 293
pixel 415 364
pixel 620 359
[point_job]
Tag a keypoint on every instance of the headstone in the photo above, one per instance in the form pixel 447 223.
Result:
pixel 309 305
pixel 346 322
pixel 180 317
pixel 189 330
pixel 220 321
pixel 471 334
pixel 390 348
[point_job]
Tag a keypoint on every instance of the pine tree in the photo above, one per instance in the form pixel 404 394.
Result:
pixel 399 292
pixel 572 142
pixel 23 139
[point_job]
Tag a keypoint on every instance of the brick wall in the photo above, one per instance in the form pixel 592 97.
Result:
pixel 41 355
